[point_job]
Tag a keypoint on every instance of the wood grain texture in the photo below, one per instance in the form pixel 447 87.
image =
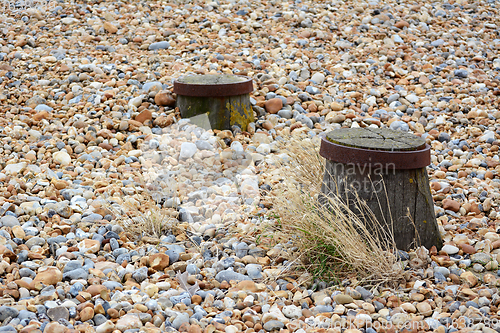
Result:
pixel 222 112
pixel 376 139
pixel 400 200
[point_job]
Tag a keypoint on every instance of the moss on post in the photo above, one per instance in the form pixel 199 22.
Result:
pixel 223 98
pixel 222 112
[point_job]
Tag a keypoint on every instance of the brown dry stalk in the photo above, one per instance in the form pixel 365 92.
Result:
pixel 329 235
pixel 145 218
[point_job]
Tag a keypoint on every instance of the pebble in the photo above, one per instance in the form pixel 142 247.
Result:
pixel 7 311
pixel 229 275
pixel 318 78
pixel 58 313
pixel 450 204
pixel 62 157
pixel 450 249
pixel 9 221
pixel 273 325
pixel 274 105
pixel 424 308
pixel 292 311
pixel 188 149
pixel 164 98
pixel 159 45
pixel 343 299
pixel 179 320
pixel 399 126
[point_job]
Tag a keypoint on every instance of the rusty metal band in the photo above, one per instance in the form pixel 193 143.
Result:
pixel 414 159
pixel 214 90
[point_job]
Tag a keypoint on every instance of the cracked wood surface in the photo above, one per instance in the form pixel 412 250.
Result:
pixel 376 139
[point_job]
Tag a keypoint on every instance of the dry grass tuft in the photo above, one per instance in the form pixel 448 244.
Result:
pixel 304 161
pixel 145 217
pixel 334 243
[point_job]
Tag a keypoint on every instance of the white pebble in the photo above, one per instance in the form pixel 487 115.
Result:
pixel 137 101
pixel 412 98
pixel 292 312
pixel 487 136
pixel 188 149
pixel 263 149
pixel 62 157
pixel 318 77
pixel 371 101
pixel 14 168
pixel 450 249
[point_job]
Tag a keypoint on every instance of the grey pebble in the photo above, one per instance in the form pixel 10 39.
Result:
pixel 152 304
pixel 43 107
pixel 312 90
pixel 483 301
pixel 287 114
pixel 9 221
pixel 273 325
pixel 72 265
pixel 478 268
pixel 55 240
pixel 25 314
pixel 192 269
pixel 481 258
pixel 35 241
pixel 229 275
pixel 140 274
pixel 442 270
pixel 113 243
pixel 7 311
pixel 26 272
pixel 58 313
pixel 111 285
pixel 392 98
pixel 399 126
pixel 99 319
pixel 254 271
pixel 365 294
pixel 461 73
pixel 180 319
pixel 76 274
pixel 159 46
pixel 150 85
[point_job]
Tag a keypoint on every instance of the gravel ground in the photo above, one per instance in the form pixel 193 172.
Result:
pixel 88 128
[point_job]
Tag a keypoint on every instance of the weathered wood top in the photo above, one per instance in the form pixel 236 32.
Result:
pixel 213 85
pixel 212 79
pixel 376 139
